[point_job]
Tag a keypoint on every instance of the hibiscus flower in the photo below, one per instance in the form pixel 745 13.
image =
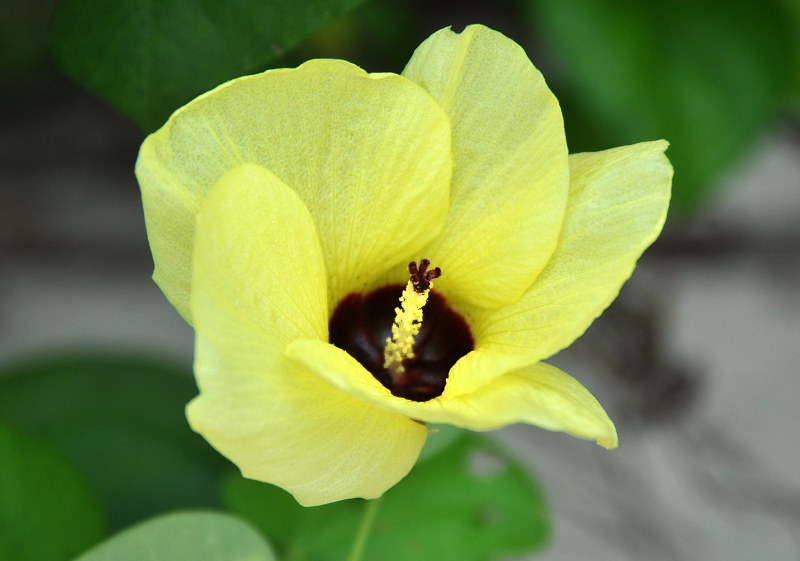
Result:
pixel 289 211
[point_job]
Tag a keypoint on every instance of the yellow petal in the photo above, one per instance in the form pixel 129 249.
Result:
pixel 540 395
pixel 285 426
pixel 510 179
pixel 478 368
pixel 537 394
pixel 345 373
pixel 259 282
pixel 369 155
pixel 257 259
pixel 617 206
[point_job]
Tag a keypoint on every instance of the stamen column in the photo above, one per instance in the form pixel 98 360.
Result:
pixel 408 318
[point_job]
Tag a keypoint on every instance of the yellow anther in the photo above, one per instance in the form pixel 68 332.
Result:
pixel 407 321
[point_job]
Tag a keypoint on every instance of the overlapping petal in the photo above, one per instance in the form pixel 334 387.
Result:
pixel 541 395
pixel 283 425
pixel 538 394
pixel 258 260
pixel 510 178
pixel 617 206
pixel 259 283
pixel 369 155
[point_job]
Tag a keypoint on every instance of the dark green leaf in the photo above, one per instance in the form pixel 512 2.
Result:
pixel 148 58
pixel 47 511
pixel 707 75
pixel 121 420
pixel 469 502
pixel 185 536
pixel 793 66
pixel 378 36
pixel 23 41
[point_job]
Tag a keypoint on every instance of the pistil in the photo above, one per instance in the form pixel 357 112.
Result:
pixel 408 318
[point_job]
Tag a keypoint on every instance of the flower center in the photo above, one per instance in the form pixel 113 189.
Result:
pixel 410 357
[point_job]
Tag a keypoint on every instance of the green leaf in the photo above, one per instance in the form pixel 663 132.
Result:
pixel 121 420
pixel 440 438
pixel 23 42
pixel 378 36
pixel 185 536
pixel 792 8
pixel 707 75
pixel 470 502
pixel 148 58
pixel 47 511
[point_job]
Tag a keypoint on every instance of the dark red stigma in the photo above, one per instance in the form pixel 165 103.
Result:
pixel 361 323
pixel 421 278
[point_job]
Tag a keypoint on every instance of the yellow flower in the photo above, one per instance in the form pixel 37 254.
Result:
pixel 283 210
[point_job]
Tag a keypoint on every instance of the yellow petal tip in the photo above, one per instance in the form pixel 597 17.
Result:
pixel 609 443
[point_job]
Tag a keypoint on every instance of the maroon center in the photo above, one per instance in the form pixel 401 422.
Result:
pixel 361 323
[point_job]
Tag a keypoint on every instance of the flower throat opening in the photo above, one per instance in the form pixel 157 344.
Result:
pixel 408 355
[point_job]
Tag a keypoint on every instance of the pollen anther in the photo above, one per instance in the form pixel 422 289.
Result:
pixel 408 317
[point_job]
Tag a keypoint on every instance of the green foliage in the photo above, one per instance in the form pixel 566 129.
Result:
pixel 23 32
pixel 469 502
pixel 793 60
pixel 378 36
pixel 47 511
pixel 185 536
pixel 121 420
pixel 440 437
pixel 707 75
pixel 148 58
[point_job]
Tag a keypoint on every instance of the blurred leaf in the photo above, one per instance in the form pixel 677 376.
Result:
pixel 185 536
pixel 793 11
pixel 440 438
pixel 707 75
pixel 47 511
pixel 121 420
pixel 23 41
pixel 377 36
pixel 470 502
pixel 149 58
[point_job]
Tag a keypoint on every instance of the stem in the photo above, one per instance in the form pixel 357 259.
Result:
pixel 362 534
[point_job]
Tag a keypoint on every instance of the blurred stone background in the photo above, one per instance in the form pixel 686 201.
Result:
pixel 697 361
